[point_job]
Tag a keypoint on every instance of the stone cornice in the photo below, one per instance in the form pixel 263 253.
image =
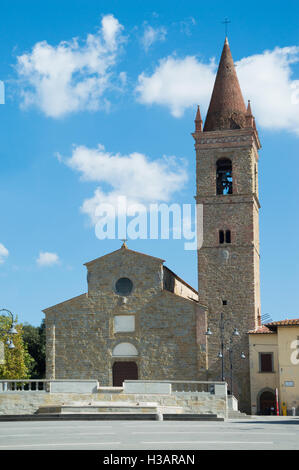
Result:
pixel 227 138
pixel 228 199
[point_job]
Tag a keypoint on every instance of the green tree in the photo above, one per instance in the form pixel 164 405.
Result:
pixel 34 338
pixel 17 360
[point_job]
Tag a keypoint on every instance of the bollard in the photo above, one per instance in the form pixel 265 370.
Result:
pixel 293 411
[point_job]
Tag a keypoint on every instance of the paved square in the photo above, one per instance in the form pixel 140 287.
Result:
pixel 257 433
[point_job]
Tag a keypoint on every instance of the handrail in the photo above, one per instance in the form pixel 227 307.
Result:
pixel 210 382
pixel 44 385
pixel 24 380
pixel 23 385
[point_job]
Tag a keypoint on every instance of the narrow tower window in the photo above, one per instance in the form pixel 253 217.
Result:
pixel 227 236
pixel 221 236
pixel 224 180
pixel 224 236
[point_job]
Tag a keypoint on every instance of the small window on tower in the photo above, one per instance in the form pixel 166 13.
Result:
pixel 227 236
pixel 221 236
pixel 224 236
pixel 224 180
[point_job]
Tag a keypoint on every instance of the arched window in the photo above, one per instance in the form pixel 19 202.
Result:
pixel 224 179
pixel 125 350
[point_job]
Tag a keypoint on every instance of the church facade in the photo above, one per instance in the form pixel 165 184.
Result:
pixel 140 320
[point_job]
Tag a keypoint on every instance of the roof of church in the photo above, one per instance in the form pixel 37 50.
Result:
pixel 227 109
pixel 181 280
pixel 128 250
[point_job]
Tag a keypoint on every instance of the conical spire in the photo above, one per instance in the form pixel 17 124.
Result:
pixel 249 117
pixel 249 112
pixel 198 120
pixel 227 109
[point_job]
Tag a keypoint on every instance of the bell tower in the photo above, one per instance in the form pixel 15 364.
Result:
pixel 228 261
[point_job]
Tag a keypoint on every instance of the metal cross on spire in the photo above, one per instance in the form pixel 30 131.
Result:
pixel 226 22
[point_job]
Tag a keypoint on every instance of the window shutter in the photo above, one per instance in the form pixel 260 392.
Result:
pixel 266 362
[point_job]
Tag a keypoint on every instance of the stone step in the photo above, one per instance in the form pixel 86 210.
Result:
pixel 232 414
pixel 190 417
pixel 81 416
pixel 69 409
pixel 110 407
pixel 109 416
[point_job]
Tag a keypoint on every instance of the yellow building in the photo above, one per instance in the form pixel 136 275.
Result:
pixel 274 364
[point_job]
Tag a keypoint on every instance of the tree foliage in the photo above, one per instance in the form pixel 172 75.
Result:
pixel 18 360
pixel 35 341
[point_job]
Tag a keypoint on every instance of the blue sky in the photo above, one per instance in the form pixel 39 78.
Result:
pixel 119 86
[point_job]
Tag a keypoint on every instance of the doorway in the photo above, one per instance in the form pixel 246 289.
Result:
pixel 124 370
pixel 267 403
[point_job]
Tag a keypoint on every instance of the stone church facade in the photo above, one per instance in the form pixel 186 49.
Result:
pixel 160 324
pixel 138 320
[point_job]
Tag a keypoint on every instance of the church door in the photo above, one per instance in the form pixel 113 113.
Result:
pixel 124 370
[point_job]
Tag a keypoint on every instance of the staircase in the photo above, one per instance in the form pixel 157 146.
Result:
pixel 121 411
pixel 235 414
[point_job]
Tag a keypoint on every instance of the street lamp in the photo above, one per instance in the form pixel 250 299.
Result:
pixel 225 255
pixel 220 355
pixel 11 329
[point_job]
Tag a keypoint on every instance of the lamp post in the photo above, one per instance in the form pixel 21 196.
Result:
pixel 225 255
pixel 229 349
pixel 11 329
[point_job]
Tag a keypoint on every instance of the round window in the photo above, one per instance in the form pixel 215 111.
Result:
pixel 124 286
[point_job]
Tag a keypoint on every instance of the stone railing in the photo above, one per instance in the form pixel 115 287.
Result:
pixel 174 386
pixel 24 385
pixel 47 385
pixel 194 386
pixel 129 386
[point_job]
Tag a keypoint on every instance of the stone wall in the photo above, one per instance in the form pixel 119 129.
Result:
pixel 22 403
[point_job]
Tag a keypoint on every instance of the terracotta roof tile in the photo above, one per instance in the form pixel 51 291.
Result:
pixel 272 326
pixel 294 321
pixel 261 330
pixel 227 109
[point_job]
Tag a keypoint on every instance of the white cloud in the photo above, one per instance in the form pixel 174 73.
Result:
pixel 72 76
pixel 3 253
pixel 111 29
pixel 266 79
pixel 134 176
pixel 177 84
pixel 47 259
pixel 152 35
pixel 186 25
